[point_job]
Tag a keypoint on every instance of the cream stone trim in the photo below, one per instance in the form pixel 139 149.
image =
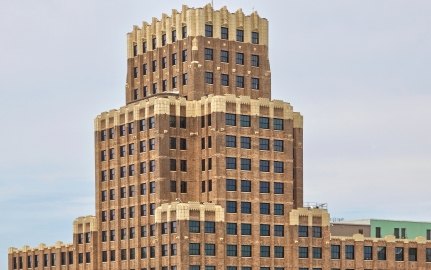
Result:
pixel 298 121
pixel 181 211
pixel 195 20
pixel 40 247
pixel 295 214
pixel 193 108
pixel 387 239
pixel 91 220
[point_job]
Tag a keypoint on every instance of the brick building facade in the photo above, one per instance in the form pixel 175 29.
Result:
pixel 201 169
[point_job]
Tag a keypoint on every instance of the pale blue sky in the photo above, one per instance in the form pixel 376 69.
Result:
pixel 359 71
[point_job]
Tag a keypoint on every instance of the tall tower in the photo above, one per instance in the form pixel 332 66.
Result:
pixel 200 156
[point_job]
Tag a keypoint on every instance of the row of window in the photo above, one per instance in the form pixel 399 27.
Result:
pixel 368 253
pixel 245 208
pixel 239 80
pixel 239 57
pixel 264 186
pixel 131 191
pixel 224 34
pixel 47 260
pixel 131 212
pixel 84 237
pixel 149 123
pixel 245 165
pixel 245 121
pixel 224 31
pixel 130 170
pixel 246 229
pixel 245 143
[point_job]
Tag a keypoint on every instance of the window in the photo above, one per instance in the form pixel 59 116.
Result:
pixel 103 155
pixel 194 249
pixel 209 54
pixel 209 226
pixel 303 252
pixel 279 252
pixel 143 252
pixel 142 167
pixel 152 144
pixel 264 251
pixel 152 187
pixel 142 125
pixel 368 253
pixel 255 83
pixel 255 37
pixel 397 233
pixel 154 65
pixel 427 255
pixel 231 207
pixel 184 31
pixel 246 250
pixel 230 119
pixel 239 58
pixel 184 55
pixel 144 69
pixel 224 79
pixel 279 230
pixel 164 250
pixel 122 171
pixel 399 254
pixel 317 252
pixel 245 207
pixel 122 151
pixel 152 209
pixel 230 184
pixel 278 145
pixel 264 187
pixel 183 165
pixel 183 187
pixel 231 228
pixel 245 121
pixel 240 81
pixel 263 144
pixel 103 135
pixel 335 252
pixel 163 39
pixel 143 189
pixel 254 60
pixel 245 164
pixel 144 46
pixel 317 231
pixel 173 249
pixel 264 122
pixel 174 35
pixel 245 186
pixel 111 133
pixel 302 231
pixel 428 235
pixel 164 85
pixel 381 253
pixel 278 188
pixel 173 186
pixel 151 122
pixel 231 250
pixel 145 91
pixel 278 209
pixel 278 124
pixel 224 56
pixel 173 226
pixel 210 249
pixel 265 230
pixel 231 163
pixel 194 226
pixel 183 122
pixel 154 88
pixel 174 59
pixel 194 267
pixel 103 195
pixel 208 30
pixel 239 35
pixel 278 167
pixel 209 77
pixel 224 33
pixel 154 43
pixel 172 143
pixel 183 144
pixel 245 142
pixel 264 208
pixel 349 252
pixel 135 72
pixel 246 228
pixel 103 176
pixel 264 165
pixel 111 153
pixel 143 210
pixel 142 147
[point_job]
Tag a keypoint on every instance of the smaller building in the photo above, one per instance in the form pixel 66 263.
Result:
pixel 379 228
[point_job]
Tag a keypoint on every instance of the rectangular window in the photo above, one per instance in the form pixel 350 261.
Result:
pixel 255 37
pixel 428 235
pixel 278 167
pixel 264 122
pixel 264 208
pixel 163 39
pixel 240 81
pixel 231 207
pixel 154 43
pixel 154 89
pixel 246 250
pixel 317 231
pixel 264 187
pixel 183 144
pixel 185 78
pixel 263 144
pixel 303 252
pixel 183 187
pixel 349 252
pixel 173 186
pixel 245 207
pixel 224 56
pixel 144 69
pixel 209 54
pixel 246 228
pixel 279 230
pixel 208 30
pixel 317 252
pixel 224 31
pixel 368 253
pixel 230 119
pixel 264 251
pixel 245 164
pixel 174 59
pixel 397 233
pixel 224 79
pixel 231 163
pixel 245 186
pixel 210 249
pixel 172 143
pixel 265 230
pixel 164 85
pixel 278 145
pixel 183 122
pixel 174 35
pixel 194 226
pixel 427 255
pixel 135 72
pixel 245 120
pixel 399 254
pixel 255 83
pixel 239 58
pixel 302 231
pixel 264 165
pixel 231 228
pixel 184 55
pixel 254 60
pixel 209 77
pixel 240 35
pixel 230 184
pixel 245 142
pixel 144 46
pixel 154 65
pixel 335 252
pixel 231 250
pixel 152 165
pixel 209 226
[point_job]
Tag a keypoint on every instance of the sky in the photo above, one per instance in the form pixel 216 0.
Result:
pixel 359 71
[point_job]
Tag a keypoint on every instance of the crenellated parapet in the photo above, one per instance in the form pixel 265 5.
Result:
pixel 190 22
pixel 195 108
pixel 42 247
pixel 181 211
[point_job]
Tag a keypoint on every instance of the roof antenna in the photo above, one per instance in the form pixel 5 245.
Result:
pixel 212 3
